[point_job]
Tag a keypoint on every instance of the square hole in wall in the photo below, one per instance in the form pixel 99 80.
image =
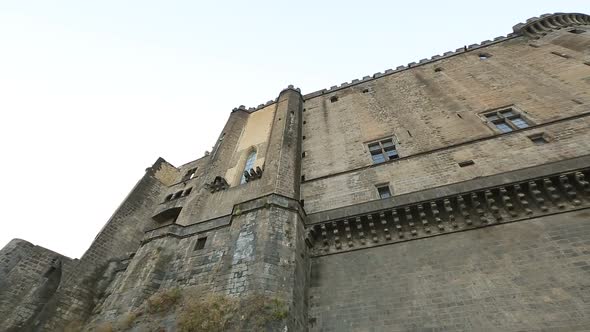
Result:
pixel 577 31
pixel 466 163
pixel 333 99
pixel 383 191
pixel 201 243
pixel 539 139
pixel 484 56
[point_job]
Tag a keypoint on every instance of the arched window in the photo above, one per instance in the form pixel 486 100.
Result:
pixel 249 164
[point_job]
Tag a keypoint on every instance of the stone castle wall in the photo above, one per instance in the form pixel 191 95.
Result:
pixel 499 242
pixel 523 276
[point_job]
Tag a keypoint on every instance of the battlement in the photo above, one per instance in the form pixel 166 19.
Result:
pixel 537 27
pixel 534 27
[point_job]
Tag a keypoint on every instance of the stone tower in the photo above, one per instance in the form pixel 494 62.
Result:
pixel 448 194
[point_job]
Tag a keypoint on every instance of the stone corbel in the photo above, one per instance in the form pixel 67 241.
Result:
pixel 253 174
pixel 218 184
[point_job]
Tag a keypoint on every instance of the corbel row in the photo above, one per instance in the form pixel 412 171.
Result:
pixel 253 174
pixel 502 204
pixel 537 27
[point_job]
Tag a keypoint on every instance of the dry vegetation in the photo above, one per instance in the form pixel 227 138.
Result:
pixel 163 301
pixel 197 311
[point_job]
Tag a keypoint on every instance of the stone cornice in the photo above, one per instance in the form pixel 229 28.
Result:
pixel 501 204
pixel 263 202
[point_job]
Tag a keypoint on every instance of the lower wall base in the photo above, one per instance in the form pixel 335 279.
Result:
pixel 531 275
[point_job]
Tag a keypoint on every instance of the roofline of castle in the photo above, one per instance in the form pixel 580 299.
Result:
pixel 534 27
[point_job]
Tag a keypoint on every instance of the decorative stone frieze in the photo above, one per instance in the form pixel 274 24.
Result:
pixel 488 206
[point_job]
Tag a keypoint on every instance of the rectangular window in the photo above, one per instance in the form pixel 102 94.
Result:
pixel 519 123
pixel 383 191
pixel 506 120
pixel 383 150
pixel 201 243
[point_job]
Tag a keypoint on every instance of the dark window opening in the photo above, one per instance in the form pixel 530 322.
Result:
pixel 384 191
pixel 383 150
pixel 190 174
pixel 333 99
pixel 177 195
pixel 188 191
pixel 539 139
pixel 169 197
pixel 302 178
pixel 577 31
pixel 303 155
pixel 201 243
pixel 366 90
pixel 304 122
pixel 459 115
pixel 466 163
pixel 506 120
pixel 302 202
pixel 303 137
pixel 437 69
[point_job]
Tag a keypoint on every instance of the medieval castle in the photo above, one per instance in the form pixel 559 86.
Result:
pixel 451 194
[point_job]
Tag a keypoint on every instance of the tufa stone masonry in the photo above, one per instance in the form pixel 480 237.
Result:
pixel 450 194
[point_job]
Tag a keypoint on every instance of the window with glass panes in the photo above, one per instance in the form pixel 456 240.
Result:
pixel 249 164
pixel 383 150
pixel 384 191
pixel 506 120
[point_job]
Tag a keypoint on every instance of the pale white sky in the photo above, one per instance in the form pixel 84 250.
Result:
pixel 93 92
